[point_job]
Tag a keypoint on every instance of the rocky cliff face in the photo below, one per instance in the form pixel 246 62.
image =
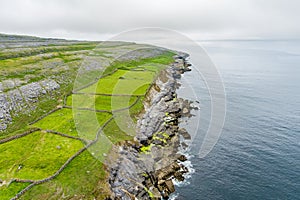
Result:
pixel 147 167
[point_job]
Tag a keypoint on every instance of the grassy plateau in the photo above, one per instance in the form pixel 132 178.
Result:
pixel 88 117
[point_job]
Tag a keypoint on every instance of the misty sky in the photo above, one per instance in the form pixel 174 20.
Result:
pixel 198 19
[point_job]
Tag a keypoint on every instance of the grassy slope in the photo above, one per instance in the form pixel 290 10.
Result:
pixel 8 192
pixel 85 176
pixel 100 102
pixel 123 82
pixel 20 122
pixel 62 121
pixel 35 156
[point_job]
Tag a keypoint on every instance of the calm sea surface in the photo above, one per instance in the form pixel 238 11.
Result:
pixel 258 154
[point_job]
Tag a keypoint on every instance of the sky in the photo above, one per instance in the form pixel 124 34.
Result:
pixel 197 19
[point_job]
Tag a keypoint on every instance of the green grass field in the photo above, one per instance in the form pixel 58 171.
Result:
pixel 35 156
pixel 30 62
pixel 8 192
pixel 63 121
pixel 123 82
pixel 100 102
pixel 84 177
pixel 40 154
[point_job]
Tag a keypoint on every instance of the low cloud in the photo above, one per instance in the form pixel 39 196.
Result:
pixel 200 19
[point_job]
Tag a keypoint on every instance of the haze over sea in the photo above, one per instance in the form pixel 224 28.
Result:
pixel 258 153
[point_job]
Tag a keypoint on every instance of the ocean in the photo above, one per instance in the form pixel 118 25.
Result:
pixel 258 153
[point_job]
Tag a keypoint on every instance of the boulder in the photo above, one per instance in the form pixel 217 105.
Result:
pixel 184 134
pixel 182 158
pixel 170 186
pixel 178 176
pixel 168 171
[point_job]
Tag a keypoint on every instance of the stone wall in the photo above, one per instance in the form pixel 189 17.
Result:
pixel 22 99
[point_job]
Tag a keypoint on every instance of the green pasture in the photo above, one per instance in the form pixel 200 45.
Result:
pixel 63 121
pixel 40 154
pixel 100 102
pixel 35 156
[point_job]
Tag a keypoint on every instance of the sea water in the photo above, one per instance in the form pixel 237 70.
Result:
pixel 258 154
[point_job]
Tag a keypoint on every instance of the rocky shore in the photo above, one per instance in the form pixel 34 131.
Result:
pixel 147 167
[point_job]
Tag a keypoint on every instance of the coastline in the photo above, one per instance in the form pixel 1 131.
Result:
pixel 76 170
pixel 147 167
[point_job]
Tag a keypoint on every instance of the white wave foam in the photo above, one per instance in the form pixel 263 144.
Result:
pixel 173 196
pixel 188 175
